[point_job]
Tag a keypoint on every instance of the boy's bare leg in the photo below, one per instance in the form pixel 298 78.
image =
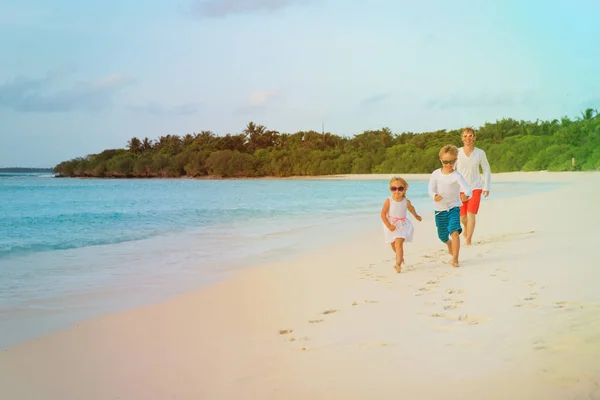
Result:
pixel 470 228
pixel 399 254
pixel 393 244
pixel 449 244
pixel 455 247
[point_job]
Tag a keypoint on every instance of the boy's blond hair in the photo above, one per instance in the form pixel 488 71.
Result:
pixel 449 148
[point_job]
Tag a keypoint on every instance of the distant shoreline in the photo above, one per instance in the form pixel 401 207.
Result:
pixel 519 176
pixel 23 169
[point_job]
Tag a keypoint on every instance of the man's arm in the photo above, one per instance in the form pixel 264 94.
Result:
pixel 487 172
pixel 464 186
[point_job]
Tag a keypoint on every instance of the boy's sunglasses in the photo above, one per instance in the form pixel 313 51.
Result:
pixel 399 188
pixel 448 161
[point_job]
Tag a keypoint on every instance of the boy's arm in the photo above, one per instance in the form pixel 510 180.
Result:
pixel 384 212
pixel 432 188
pixel 487 172
pixel 412 210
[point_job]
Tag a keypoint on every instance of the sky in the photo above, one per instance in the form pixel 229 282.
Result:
pixel 77 78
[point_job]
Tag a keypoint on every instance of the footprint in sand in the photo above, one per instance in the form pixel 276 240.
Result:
pixel 431 284
pixel 329 312
pixel 354 303
pixel 285 331
pixel 315 321
pixel 528 301
pixel 541 345
pixel 451 303
pixel 573 305
pixel 461 318
pixel 301 339
pixel 375 344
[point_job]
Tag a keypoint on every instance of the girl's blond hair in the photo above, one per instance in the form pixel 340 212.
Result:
pixel 402 181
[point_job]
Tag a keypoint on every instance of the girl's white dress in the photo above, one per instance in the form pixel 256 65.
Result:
pixel 397 216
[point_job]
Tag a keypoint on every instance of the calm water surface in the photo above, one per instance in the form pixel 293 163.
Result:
pixel 75 248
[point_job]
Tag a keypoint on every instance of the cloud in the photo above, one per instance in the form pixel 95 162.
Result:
pixel 378 98
pixel 481 100
pixel 157 109
pixel 258 101
pixel 260 97
pixel 25 94
pixel 224 8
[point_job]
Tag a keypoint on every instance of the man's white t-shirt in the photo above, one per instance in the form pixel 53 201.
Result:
pixel 449 187
pixel 468 166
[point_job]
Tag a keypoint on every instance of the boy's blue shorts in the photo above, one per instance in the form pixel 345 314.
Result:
pixel 447 222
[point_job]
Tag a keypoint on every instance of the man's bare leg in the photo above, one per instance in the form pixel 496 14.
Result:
pixel 463 221
pixel 455 247
pixel 470 228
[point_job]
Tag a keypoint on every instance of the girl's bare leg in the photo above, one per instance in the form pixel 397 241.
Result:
pixel 399 244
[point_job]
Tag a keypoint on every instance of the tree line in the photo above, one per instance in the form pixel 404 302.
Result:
pixel 511 145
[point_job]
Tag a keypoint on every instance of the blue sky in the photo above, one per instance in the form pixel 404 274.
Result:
pixel 77 78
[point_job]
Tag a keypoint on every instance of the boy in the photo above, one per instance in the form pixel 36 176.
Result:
pixel 445 187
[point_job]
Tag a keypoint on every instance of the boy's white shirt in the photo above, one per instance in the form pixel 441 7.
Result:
pixel 449 187
pixel 469 168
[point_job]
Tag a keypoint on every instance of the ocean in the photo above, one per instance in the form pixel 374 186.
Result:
pixel 72 249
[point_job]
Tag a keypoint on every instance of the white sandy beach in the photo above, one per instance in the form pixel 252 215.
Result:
pixel 519 320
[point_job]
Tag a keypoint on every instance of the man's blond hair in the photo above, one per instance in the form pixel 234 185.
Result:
pixel 469 130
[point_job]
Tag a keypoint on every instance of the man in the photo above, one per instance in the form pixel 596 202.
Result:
pixel 470 158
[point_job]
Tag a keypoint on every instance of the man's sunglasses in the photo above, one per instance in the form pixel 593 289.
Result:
pixel 399 188
pixel 448 161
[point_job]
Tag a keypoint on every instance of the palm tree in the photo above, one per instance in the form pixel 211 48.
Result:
pixel 146 144
pixel 134 145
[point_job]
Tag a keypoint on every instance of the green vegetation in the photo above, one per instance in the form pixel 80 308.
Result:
pixel 510 145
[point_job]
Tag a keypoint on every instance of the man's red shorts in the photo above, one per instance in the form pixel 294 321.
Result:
pixel 471 205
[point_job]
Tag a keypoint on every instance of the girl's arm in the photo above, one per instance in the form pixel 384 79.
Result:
pixel 384 212
pixel 412 210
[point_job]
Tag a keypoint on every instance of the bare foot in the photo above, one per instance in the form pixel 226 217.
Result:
pixel 467 242
pixel 398 268
pixel 455 263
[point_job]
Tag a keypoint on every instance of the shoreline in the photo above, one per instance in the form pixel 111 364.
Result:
pixel 522 176
pixel 344 307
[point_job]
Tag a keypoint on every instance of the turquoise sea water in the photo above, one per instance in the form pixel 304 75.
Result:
pixel 74 248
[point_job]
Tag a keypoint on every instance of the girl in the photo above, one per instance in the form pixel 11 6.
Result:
pixel 397 228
